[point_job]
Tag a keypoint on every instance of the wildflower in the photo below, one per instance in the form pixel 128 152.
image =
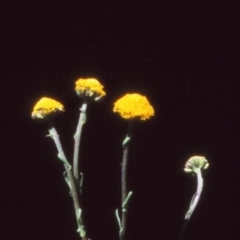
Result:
pixel 89 88
pixel 46 108
pixel 133 106
pixel 196 162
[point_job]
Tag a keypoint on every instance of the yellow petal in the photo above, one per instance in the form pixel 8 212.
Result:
pixel 46 107
pixel 133 106
pixel 89 88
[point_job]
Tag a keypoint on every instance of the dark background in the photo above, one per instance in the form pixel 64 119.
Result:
pixel 183 55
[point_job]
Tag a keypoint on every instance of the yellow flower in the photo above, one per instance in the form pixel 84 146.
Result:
pixel 133 106
pixel 46 108
pixel 89 88
pixel 196 162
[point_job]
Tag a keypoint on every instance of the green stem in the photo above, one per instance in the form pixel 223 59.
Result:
pixel 54 135
pixel 193 204
pixel 196 196
pixel 124 191
pixel 125 195
pixel 77 139
pixel 67 166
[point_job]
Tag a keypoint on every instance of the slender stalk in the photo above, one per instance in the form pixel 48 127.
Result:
pixel 77 139
pixel 125 194
pixel 194 202
pixel 68 169
pixel 124 191
pixel 197 195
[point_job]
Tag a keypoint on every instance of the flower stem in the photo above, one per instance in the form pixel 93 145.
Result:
pixel 77 139
pixel 125 194
pixel 75 196
pixel 124 191
pixel 194 202
pixel 197 195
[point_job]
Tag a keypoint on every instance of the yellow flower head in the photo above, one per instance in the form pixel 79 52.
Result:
pixel 89 88
pixel 196 162
pixel 46 108
pixel 133 106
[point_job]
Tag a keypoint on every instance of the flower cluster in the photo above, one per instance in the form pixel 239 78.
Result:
pixel 196 162
pixel 134 106
pixel 46 108
pixel 89 89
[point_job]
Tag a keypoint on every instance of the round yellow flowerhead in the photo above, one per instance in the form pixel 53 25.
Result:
pixel 196 162
pixel 89 89
pixel 133 106
pixel 46 108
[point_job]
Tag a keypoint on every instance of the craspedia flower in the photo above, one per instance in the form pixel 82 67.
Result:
pixel 46 108
pixel 196 162
pixel 133 106
pixel 89 89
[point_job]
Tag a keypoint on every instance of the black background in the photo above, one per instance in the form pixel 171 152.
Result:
pixel 183 55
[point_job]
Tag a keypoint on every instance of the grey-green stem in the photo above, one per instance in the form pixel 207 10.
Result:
pixel 75 196
pixel 125 194
pixel 77 139
pixel 196 196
